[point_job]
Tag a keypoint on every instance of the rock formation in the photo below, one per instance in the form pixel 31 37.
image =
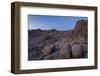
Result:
pixel 76 51
pixel 55 44
pixel 65 51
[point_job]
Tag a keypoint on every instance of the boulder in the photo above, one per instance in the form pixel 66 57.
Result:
pixel 65 51
pixel 48 49
pixel 55 55
pixel 84 48
pixel 60 44
pixel 76 51
pixel 74 42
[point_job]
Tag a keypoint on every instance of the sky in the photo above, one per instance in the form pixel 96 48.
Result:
pixel 62 23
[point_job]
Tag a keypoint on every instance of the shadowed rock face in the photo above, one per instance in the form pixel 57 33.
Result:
pixel 54 44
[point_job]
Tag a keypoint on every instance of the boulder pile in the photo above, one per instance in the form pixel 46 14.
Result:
pixel 54 44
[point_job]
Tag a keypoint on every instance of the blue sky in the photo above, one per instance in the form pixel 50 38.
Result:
pixel 62 23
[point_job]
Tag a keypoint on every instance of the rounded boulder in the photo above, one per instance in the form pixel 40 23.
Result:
pixel 76 51
pixel 65 51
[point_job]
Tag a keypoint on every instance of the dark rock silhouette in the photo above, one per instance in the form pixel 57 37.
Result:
pixel 55 44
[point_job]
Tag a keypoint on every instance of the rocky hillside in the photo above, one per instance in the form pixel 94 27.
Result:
pixel 54 44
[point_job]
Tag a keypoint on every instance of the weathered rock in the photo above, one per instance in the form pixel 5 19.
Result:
pixel 81 29
pixel 54 44
pixel 48 49
pixel 60 44
pixel 34 55
pixel 55 55
pixel 84 48
pixel 74 42
pixel 76 51
pixel 65 51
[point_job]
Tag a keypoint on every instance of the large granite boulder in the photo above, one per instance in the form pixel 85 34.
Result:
pixel 76 51
pixel 65 51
